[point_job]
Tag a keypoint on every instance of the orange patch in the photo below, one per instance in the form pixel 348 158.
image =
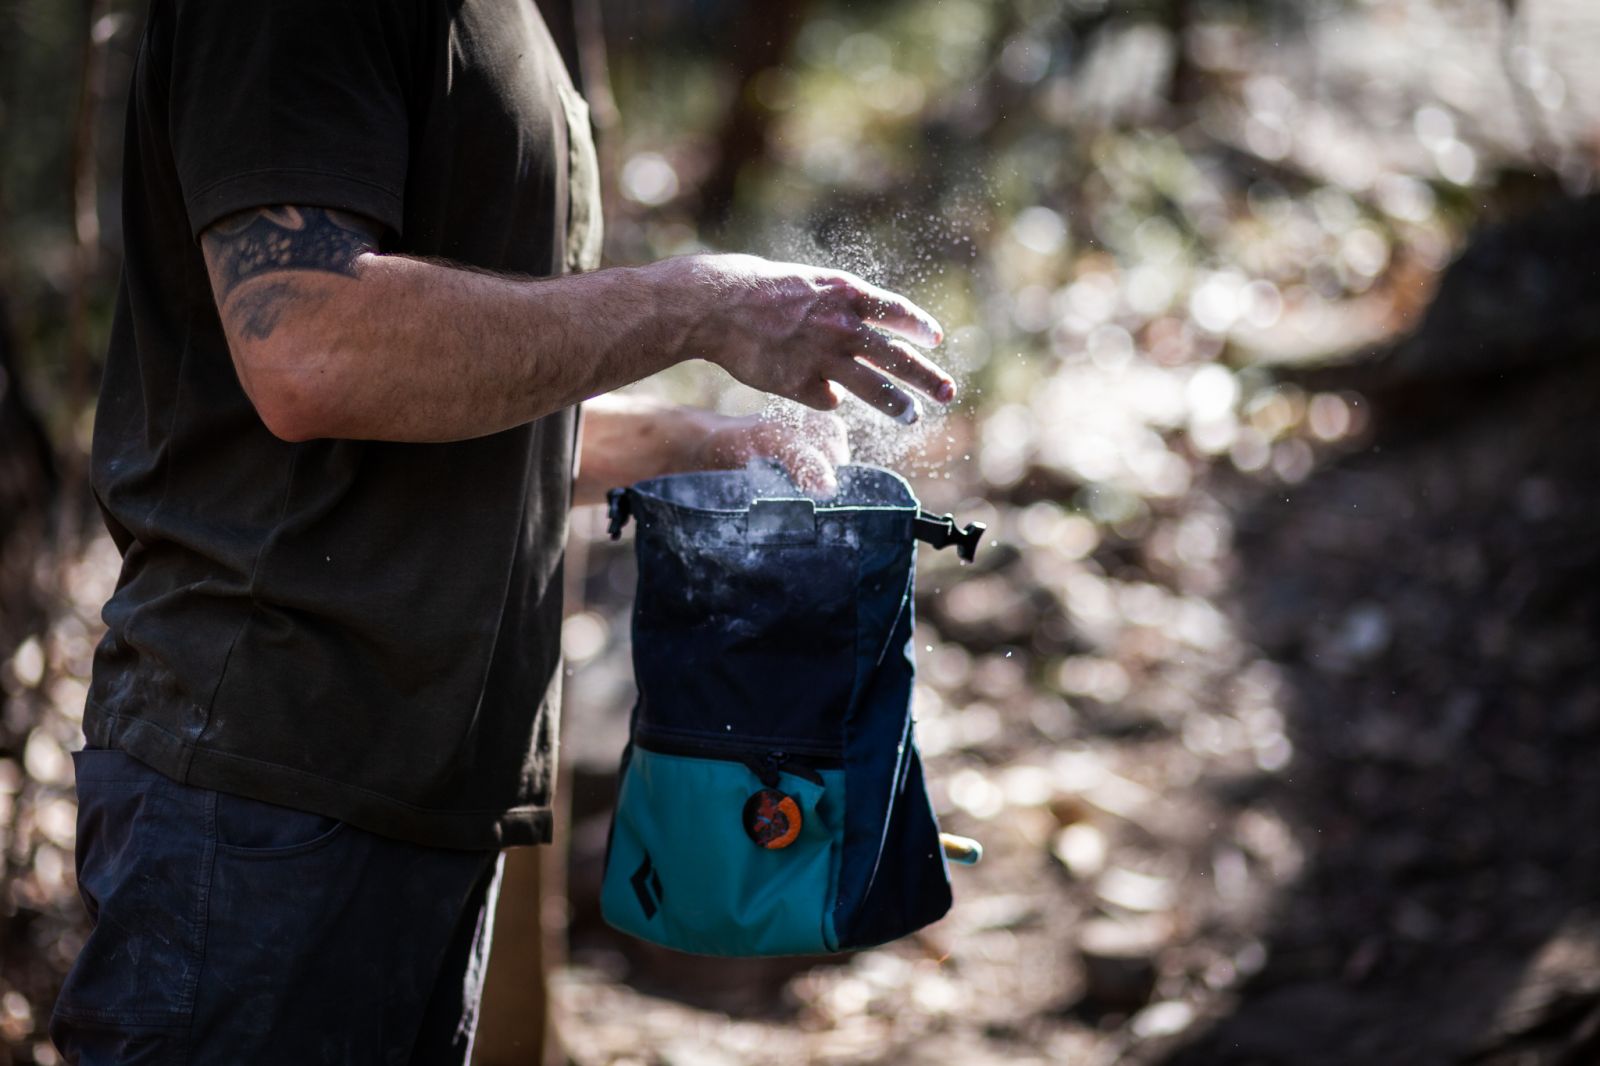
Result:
pixel 772 819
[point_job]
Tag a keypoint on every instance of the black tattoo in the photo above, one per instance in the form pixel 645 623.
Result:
pixel 257 312
pixel 269 239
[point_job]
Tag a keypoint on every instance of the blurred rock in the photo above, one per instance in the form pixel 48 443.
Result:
pixel 1135 891
pixel 1162 1019
pixel 1082 849
pixel 1119 961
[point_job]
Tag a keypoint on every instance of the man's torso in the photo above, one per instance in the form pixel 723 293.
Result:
pixel 363 629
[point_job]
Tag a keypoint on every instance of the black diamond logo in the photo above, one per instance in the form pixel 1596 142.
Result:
pixel 647 886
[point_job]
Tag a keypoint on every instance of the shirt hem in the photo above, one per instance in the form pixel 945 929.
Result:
pixel 296 186
pixel 252 778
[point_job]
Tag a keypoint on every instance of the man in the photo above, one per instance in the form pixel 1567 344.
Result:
pixel 335 446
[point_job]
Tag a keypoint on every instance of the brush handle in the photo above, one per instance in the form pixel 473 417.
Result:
pixel 963 850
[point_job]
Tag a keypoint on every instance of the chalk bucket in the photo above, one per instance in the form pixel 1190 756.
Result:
pixel 771 799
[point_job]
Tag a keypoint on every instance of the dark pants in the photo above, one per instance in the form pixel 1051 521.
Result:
pixel 233 932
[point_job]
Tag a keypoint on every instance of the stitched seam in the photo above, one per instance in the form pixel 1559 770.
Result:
pixel 177 396
pixel 903 761
pixel 291 771
pixel 385 189
pixel 202 935
pixel 288 851
pixel 143 1019
pixel 255 604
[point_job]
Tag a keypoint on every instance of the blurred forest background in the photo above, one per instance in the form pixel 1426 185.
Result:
pixel 1274 697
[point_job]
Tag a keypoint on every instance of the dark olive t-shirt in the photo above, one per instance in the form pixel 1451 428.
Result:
pixel 361 629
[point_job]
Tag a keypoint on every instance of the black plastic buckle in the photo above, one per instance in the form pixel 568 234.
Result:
pixel 619 510
pixel 941 532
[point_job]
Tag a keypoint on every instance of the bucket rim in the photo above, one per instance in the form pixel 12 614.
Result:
pixel 657 492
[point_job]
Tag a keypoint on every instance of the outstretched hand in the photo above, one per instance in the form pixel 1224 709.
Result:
pixel 806 333
pixel 809 449
pixel 630 438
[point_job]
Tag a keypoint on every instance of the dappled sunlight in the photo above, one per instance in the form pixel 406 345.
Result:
pixel 1270 695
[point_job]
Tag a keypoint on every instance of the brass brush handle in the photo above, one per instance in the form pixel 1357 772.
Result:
pixel 963 850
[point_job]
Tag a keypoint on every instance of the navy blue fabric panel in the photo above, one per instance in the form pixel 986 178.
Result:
pixel 753 641
pixel 877 729
pixel 911 886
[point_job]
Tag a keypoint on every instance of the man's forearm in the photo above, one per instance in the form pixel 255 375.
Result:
pixel 331 339
pixel 408 350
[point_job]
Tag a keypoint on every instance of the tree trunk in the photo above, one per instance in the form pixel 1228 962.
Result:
pixel 28 488
pixel 764 34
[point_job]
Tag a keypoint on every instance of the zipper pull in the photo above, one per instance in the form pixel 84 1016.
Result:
pixel 767 767
pixel 774 763
pixel 782 761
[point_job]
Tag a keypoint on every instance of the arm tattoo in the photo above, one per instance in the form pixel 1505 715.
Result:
pixel 257 312
pixel 271 239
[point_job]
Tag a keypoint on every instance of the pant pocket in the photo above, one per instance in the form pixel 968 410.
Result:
pixel 144 867
pixel 253 828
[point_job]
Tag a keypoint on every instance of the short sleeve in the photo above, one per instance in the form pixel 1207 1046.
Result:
pixel 291 102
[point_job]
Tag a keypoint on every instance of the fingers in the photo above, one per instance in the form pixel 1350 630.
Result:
pixel 819 394
pixel 811 451
pixel 893 312
pixel 809 448
pixel 877 390
pixel 879 309
pixel 906 363
pixel 811 471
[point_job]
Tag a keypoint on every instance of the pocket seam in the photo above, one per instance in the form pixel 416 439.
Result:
pixel 135 1019
pixel 243 851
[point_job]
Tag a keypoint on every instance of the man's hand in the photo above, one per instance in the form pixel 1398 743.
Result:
pixel 801 332
pixel 809 449
pixel 629 438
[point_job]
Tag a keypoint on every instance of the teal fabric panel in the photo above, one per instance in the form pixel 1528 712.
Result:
pixel 682 873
